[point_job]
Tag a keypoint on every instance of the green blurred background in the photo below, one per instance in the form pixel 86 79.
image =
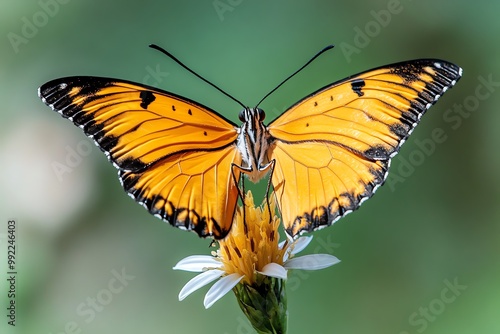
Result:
pixel 435 224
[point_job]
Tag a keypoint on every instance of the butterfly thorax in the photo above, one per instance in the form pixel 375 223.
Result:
pixel 253 143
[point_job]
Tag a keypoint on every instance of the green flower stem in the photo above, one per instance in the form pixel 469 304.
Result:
pixel 264 304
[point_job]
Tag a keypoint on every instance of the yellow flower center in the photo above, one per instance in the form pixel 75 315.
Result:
pixel 245 252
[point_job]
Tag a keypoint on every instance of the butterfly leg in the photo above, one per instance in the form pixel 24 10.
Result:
pixel 269 165
pixel 241 191
pixel 243 201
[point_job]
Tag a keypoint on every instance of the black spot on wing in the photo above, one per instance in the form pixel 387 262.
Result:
pixel 351 202
pixel 376 153
pixel 412 115
pixel 399 129
pixel 356 86
pixel 409 72
pixel 147 97
pixel 217 227
pixel 291 229
pixel 91 128
pixel 128 180
pixel 91 85
pixel 318 217
pixel 130 164
pixel 199 224
pixel 380 173
pixel 107 143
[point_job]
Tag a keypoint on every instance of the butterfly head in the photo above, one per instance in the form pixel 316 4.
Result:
pixel 252 114
pixel 253 128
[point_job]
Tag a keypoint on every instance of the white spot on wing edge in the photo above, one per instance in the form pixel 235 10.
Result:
pixel 364 199
pixel 346 212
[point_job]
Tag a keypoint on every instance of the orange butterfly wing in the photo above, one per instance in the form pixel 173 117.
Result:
pixel 174 155
pixel 333 148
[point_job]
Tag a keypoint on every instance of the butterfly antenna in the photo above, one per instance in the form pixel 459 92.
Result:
pixel 300 69
pixel 156 47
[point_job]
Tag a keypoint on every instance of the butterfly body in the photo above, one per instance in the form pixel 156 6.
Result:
pixel 182 161
pixel 253 144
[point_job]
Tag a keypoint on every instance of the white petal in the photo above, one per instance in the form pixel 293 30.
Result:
pixel 296 247
pixel 312 262
pixel 300 244
pixel 274 270
pixel 199 281
pixel 220 288
pixel 287 253
pixel 288 238
pixel 197 263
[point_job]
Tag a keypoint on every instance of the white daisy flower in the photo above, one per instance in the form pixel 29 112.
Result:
pixel 249 257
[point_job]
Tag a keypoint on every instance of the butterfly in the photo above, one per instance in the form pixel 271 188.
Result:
pixel 183 161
